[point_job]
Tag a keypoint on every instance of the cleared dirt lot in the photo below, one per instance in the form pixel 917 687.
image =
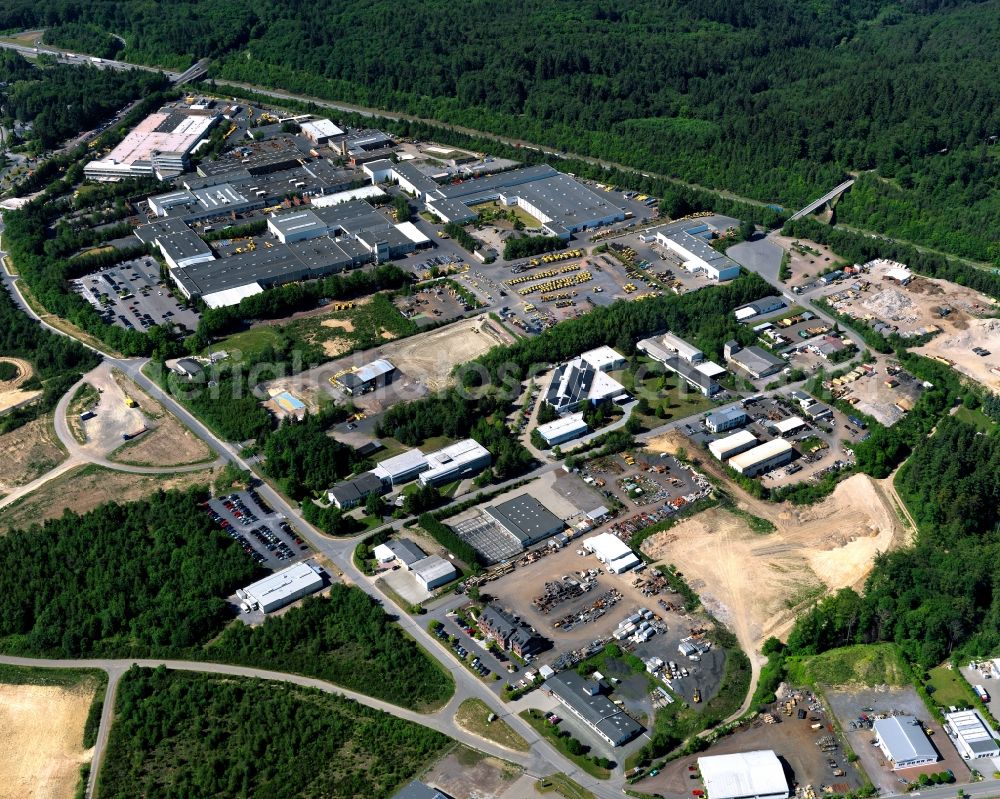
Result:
pixel 754 582
pixel 11 394
pixel 804 264
pixel 41 728
pixel 956 348
pixel 466 774
pixel 84 488
pixel 167 443
pixel 29 452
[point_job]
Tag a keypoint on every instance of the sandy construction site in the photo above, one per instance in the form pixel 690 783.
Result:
pixel 425 362
pixel 41 727
pixel 956 348
pixel 29 452
pixel 756 582
pixel 11 393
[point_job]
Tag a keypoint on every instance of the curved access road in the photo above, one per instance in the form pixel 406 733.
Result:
pixel 540 760
pixel 84 455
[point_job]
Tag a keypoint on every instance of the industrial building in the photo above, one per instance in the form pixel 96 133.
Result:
pixel 787 427
pixel 178 244
pixel 353 492
pixel 160 145
pixel 694 372
pixel 204 202
pixel 744 775
pixel 377 374
pixel 971 735
pixel 510 632
pixel 586 700
pixel 282 588
pixel 461 459
pixel 903 742
pixel 419 790
pixel 579 382
pixel 321 132
pixel 433 572
pixel 564 429
pixel 402 550
pixel 730 446
pixel 612 552
pixel 689 241
pixel 560 203
pixel 754 361
pixel 526 519
pixel 763 458
pixel 759 308
pixel 727 419
pixel 401 468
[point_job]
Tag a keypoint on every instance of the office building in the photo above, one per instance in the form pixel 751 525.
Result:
pixel 456 461
pixel 585 699
pixel 727 419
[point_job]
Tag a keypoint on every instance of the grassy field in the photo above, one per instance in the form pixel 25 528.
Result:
pixel 248 342
pixel 564 786
pixel 550 732
pixel 473 715
pixel 947 687
pixel 871 664
pixel 496 210
pixel 976 418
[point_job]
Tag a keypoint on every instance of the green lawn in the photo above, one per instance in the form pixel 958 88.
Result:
pixel 473 715
pixel 864 664
pixel 251 341
pixel 947 687
pixel 976 418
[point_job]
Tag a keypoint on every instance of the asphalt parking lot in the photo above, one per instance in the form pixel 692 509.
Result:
pixel 263 533
pixel 131 295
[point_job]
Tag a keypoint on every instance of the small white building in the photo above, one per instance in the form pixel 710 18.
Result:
pixel 788 426
pixel 282 588
pixel 433 571
pixel 685 351
pixel 321 131
pixel 972 736
pixel 612 552
pixel 744 775
pixel 565 429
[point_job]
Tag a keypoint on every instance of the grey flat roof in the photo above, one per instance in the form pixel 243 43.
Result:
pixel 726 415
pixel 597 710
pixel 905 739
pixel 296 221
pixel 678 233
pixel 526 518
pixel 405 551
pixel 418 790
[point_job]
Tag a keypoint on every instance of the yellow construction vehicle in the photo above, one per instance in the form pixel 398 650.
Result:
pixel 130 403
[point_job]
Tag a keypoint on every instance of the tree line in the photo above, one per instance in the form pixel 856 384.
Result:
pixel 179 735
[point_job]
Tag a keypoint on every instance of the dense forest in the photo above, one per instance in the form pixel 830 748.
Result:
pixel 345 638
pixel 58 361
pixel 939 597
pixel 694 90
pixel 62 100
pixel 179 736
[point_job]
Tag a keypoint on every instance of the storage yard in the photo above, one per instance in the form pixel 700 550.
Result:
pixel 958 349
pixel 808 745
pixel 856 710
pixel 42 730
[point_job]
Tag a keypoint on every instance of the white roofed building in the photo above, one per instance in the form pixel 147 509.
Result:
pixel 903 742
pixel 283 587
pixel 564 429
pixel 764 458
pixel 728 447
pixel 321 131
pixel 433 572
pixel 614 553
pixel 744 775
pixel 788 426
pixel 461 459
pixel 401 468
pixel 972 736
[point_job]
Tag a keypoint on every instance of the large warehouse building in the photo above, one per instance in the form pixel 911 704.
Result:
pixel 756 362
pixel 461 459
pixel 684 360
pixel 767 456
pixel 160 145
pixel 585 699
pixel 687 240
pixel 744 775
pixel 732 445
pixel 903 742
pixel 282 588
pixel 526 519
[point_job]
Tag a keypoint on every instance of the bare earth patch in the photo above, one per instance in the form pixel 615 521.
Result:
pixel 41 728
pixel 756 583
pixel 11 394
pixel 344 324
pixel 28 453
pixel 83 489
pixel 957 350
pixel 335 347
